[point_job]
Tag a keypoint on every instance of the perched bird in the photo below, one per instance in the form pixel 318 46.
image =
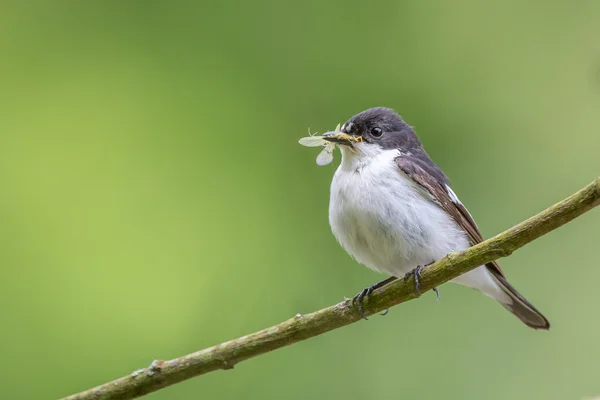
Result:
pixel 392 209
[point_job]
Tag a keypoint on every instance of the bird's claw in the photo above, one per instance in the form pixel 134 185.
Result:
pixel 416 273
pixel 360 297
pixel 366 292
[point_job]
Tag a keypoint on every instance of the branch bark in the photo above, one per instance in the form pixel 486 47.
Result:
pixel 161 374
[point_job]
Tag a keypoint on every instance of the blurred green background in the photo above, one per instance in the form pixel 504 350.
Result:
pixel 155 201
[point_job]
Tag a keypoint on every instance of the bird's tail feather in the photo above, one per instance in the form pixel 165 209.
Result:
pixel 519 306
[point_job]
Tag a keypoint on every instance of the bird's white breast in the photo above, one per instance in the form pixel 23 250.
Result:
pixel 385 220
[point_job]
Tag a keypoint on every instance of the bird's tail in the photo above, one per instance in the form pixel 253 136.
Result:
pixel 518 305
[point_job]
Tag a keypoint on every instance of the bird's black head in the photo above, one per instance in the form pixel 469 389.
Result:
pixel 377 126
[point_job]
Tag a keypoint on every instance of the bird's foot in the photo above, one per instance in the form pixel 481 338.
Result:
pixel 366 292
pixel 416 273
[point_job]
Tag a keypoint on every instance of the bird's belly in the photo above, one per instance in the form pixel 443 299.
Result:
pixel 386 223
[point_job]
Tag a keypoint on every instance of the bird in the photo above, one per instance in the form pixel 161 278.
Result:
pixel 392 209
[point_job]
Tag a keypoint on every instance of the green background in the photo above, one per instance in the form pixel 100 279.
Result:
pixel 154 199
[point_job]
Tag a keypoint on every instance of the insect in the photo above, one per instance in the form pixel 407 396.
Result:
pixel 326 155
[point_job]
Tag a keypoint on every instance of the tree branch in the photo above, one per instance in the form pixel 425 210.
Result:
pixel 161 374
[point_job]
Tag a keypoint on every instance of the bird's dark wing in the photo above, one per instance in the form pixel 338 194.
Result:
pixel 426 174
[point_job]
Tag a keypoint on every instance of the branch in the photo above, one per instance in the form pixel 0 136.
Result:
pixel 161 374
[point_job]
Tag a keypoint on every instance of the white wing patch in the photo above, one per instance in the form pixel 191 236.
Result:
pixel 455 200
pixel 453 195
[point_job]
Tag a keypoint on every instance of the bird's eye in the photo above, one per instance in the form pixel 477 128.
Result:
pixel 376 132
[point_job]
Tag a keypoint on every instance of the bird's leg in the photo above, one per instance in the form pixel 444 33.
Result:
pixel 416 273
pixel 366 292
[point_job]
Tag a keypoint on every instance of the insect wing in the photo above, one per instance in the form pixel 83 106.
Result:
pixel 312 141
pixel 326 155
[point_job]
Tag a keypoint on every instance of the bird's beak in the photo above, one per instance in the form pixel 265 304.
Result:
pixel 339 137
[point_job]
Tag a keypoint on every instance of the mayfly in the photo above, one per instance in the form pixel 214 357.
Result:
pixel 326 155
